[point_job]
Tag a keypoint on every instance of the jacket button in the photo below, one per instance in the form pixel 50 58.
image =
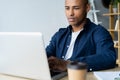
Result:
pixel 63 57
pixel 90 69
pixel 67 46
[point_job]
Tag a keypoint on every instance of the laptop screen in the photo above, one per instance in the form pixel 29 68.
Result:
pixel 23 54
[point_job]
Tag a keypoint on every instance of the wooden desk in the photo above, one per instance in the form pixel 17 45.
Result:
pixel 90 76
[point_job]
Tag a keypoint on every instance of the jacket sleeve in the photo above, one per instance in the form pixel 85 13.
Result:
pixel 105 55
pixel 51 48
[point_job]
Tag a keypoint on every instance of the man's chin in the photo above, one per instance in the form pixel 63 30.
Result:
pixel 72 23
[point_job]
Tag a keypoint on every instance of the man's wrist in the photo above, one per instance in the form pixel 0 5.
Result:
pixel 69 61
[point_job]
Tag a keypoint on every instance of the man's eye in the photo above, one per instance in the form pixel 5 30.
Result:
pixel 66 8
pixel 76 8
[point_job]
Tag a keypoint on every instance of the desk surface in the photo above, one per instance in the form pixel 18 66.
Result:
pixel 90 76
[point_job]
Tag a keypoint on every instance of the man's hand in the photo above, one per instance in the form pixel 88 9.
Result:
pixel 56 64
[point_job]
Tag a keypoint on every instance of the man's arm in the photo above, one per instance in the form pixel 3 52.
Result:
pixel 51 48
pixel 105 55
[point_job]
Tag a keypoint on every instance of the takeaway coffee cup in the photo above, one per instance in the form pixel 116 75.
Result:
pixel 77 71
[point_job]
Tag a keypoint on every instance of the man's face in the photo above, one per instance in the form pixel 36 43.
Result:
pixel 76 11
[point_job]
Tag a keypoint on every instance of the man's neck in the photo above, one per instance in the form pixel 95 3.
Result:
pixel 75 29
pixel 78 28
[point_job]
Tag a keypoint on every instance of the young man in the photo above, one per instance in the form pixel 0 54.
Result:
pixel 81 41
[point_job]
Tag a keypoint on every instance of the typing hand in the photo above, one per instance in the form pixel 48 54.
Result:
pixel 56 64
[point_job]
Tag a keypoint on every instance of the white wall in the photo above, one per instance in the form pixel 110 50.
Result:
pixel 45 16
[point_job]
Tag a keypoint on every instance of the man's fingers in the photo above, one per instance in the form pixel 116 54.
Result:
pixel 52 57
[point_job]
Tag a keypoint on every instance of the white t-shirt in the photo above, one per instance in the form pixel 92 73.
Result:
pixel 71 46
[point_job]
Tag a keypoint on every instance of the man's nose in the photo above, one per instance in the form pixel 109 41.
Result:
pixel 71 12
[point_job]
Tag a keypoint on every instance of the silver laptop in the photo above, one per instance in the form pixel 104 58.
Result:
pixel 22 54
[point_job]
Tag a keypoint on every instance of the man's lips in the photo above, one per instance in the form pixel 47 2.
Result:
pixel 71 19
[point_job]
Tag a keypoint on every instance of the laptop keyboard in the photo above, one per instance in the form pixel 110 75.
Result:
pixel 58 75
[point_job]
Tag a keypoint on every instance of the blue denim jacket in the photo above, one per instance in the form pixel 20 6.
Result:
pixel 93 46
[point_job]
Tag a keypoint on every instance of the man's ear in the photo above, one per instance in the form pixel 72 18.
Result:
pixel 88 7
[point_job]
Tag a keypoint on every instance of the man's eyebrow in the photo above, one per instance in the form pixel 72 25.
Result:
pixel 72 6
pixel 75 6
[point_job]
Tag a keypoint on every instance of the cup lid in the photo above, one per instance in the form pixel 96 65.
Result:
pixel 77 65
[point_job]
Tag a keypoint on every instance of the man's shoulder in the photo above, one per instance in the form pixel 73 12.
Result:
pixel 61 30
pixel 100 28
pixel 97 27
pixel 91 26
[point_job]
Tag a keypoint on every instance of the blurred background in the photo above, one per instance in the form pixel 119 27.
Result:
pixel 41 16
